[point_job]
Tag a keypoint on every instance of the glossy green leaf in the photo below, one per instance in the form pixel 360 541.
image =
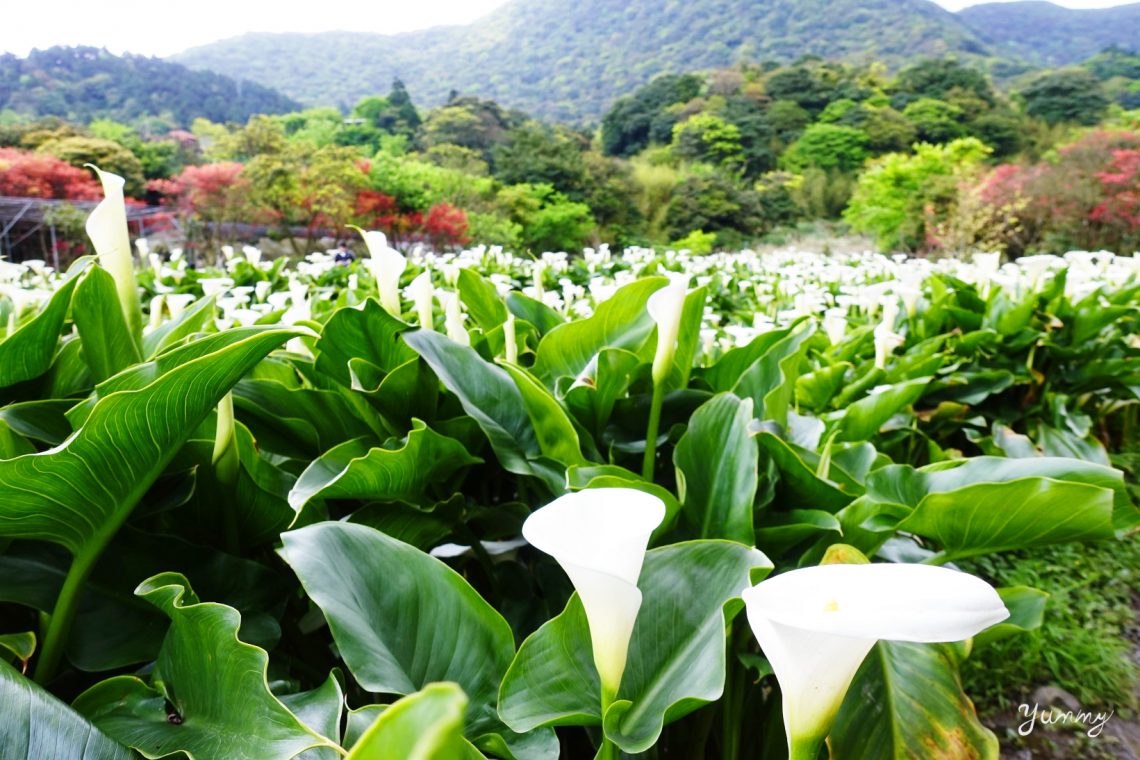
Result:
pixel 77 494
pixel 481 299
pixel 321 709
pixel 488 395
pixel 108 344
pixel 198 317
pixel 862 419
pixel 621 321
pixel 676 657
pixel 402 619
pixel 357 470
pixel 214 683
pixel 557 438
pixel 34 725
pixel 907 702
pixel 19 646
pixel 1026 612
pixel 28 352
pixel 535 312
pixel 427 725
pixel 990 517
pixel 369 333
pixel 716 461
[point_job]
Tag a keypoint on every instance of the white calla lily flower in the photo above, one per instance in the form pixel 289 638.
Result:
pixel 886 341
pixel 107 228
pixel 817 624
pixel 510 340
pixel 599 537
pixel 453 321
pixel 386 265
pixel 421 292
pixel 665 306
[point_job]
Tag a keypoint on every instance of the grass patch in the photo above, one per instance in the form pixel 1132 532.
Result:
pixel 1086 641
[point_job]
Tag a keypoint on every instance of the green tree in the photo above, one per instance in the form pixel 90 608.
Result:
pixel 935 121
pixel 935 78
pixel 549 221
pixel 899 195
pixel 626 127
pixel 1067 96
pixel 714 204
pixel 710 139
pixel 827 147
pixel 888 130
pixel 536 153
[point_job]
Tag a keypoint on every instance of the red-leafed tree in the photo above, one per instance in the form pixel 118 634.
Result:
pixel 32 175
pixel 445 226
pixel 212 195
pixel 1120 209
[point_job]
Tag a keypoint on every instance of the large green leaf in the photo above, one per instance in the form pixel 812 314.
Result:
pixel 557 438
pixel 488 395
pixel 990 517
pixel 108 344
pixel 907 702
pixel 301 422
pixel 861 420
pixel 29 351
pixel 357 470
pixel 800 485
pixel 34 725
pixel 427 725
pixel 113 627
pixel 481 299
pixel 198 317
pixel 676 657
pixel 369 334
pixel 77 494
pixel 402 619
pixel 215 685
pixel 716 461
pixel 621 321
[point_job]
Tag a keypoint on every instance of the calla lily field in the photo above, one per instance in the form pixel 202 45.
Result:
pixel 477 504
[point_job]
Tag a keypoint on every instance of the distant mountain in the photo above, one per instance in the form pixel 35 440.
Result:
pixel 1049 35
pixel 568 60
pixel 85 83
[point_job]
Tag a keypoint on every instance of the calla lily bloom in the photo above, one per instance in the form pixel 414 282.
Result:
pixel 599 537
pixel 665 306
pixel 817 624
pixel 421 292
pixel 386 265
pixel 510 340
pixel 453 320
pixel 886 341
pixel 107 228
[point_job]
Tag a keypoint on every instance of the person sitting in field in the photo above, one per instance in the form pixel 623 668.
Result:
pixel 343 254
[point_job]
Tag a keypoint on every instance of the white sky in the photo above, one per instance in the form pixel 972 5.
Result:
pixel 162 29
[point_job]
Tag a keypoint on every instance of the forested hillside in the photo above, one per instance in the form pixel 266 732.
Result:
pixel 1050 35
pixel 85 83
pixel 570 61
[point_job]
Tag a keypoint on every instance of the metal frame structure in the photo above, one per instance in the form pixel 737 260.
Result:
pixel 27 216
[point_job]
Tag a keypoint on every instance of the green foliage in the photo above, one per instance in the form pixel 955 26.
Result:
pixel 634 121
pixel 890 197
pixel 935 121
pixel 827 146
pixel 710 139
pixel 1072 96
pixel 85 83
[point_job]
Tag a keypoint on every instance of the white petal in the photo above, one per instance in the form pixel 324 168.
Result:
pixel 897 602
pixel 603 529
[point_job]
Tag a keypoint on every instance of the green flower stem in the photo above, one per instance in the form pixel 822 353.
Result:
pixel 608 750
pixel 59 623
pixel 647 464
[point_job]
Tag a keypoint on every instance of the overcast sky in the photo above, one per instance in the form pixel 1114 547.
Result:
pixel 162 29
